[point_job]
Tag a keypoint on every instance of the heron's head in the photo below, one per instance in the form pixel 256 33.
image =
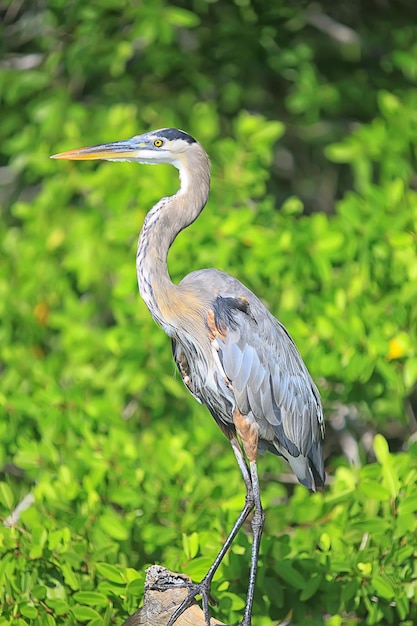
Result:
pixel 166 145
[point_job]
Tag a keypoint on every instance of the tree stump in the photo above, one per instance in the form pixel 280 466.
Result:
pixel 158 605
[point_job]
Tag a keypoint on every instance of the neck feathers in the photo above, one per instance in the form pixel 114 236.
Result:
pixel 162 224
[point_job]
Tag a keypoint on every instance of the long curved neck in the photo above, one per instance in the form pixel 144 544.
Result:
pixel 162 224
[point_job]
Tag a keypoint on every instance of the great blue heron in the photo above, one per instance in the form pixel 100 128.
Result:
pixel 232 354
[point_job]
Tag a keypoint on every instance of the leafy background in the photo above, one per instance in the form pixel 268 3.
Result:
pixel 308 112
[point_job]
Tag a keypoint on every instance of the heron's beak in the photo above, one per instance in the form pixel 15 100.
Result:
pixel 119 150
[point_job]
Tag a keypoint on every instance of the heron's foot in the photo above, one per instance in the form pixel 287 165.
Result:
pixel 194 589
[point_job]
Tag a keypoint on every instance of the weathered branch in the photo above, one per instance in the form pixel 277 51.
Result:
pixel 159 605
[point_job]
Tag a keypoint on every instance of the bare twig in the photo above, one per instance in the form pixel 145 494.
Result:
pixel 14 516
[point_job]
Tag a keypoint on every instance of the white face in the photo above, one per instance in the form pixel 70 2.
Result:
pixel 157 149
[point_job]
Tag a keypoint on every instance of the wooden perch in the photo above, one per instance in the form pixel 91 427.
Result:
pixel 158 605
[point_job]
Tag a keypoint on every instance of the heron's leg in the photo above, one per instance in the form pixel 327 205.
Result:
pixel 203 588
pixel 249 504
pixel 257 528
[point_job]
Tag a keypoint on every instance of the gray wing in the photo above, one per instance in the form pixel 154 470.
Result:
pixel 270 382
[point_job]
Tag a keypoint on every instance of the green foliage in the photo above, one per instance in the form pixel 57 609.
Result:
pixel 351 550
pixel 313 205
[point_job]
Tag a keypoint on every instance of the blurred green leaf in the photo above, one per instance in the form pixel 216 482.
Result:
pixel 6 495
pixel 290 575
pixel 91 598
pixel 84 613
pixel 190 545
pixel 110 572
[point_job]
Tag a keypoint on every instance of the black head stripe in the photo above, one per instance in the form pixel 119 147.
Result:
pixel 174 133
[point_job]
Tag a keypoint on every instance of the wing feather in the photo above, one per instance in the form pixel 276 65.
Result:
pixel 232 359
pixel 244 373
pixel 270 382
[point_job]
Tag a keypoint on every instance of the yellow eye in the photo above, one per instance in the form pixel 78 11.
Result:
pixel 158 143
